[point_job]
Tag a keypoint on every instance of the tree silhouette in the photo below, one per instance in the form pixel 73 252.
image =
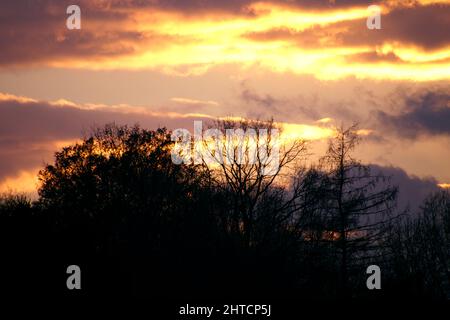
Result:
pixel 357 208
pixel 248 169
pixel 418 249
pixel 117 195
pixel 138 224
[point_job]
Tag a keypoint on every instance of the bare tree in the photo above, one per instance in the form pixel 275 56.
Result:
pixel 251 164
pixel 357 207
pixel 419 248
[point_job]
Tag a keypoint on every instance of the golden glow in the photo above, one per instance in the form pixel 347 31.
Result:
pixel 24 182
pixel 194 102
pixel 304 131
pixel 292 131
pixel 444 185
pixel 9 97
pixel 325 120
pixel 181 44
pixel 364 132
pixel 412 54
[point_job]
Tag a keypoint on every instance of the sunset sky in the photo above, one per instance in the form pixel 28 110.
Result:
pixel 309 64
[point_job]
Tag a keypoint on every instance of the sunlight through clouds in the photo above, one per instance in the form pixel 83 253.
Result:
pixel 277 37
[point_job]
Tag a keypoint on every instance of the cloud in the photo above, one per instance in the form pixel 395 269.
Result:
pixel 189 105
pixel 24 182
pixel 412 189
pixel 190 37
pixel 34 32
pixel 244 6
pixel 31 130
pixel 421 26
pixel 423 113
pixel 266 101
pixel 264 104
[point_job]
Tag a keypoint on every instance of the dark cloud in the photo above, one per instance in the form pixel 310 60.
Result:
pixel 412 190
pixel 34 32
pixel 266 105
pixel 265 101
pixel 424 113
pixel 374 57
pixel 80 45
pixel 423 26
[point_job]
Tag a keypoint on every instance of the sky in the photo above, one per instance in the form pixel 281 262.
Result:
pixel 309 64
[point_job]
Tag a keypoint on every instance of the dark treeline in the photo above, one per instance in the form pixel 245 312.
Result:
pixel 139 225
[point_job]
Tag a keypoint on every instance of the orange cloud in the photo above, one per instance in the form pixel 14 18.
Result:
pixel 316 42
pixel 194 102
pixel 23 182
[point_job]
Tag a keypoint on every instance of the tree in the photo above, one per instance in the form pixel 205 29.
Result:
pixel 419 249
pixel 118 195
pixel 251 165
pixel 118 205
pixel 356 206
